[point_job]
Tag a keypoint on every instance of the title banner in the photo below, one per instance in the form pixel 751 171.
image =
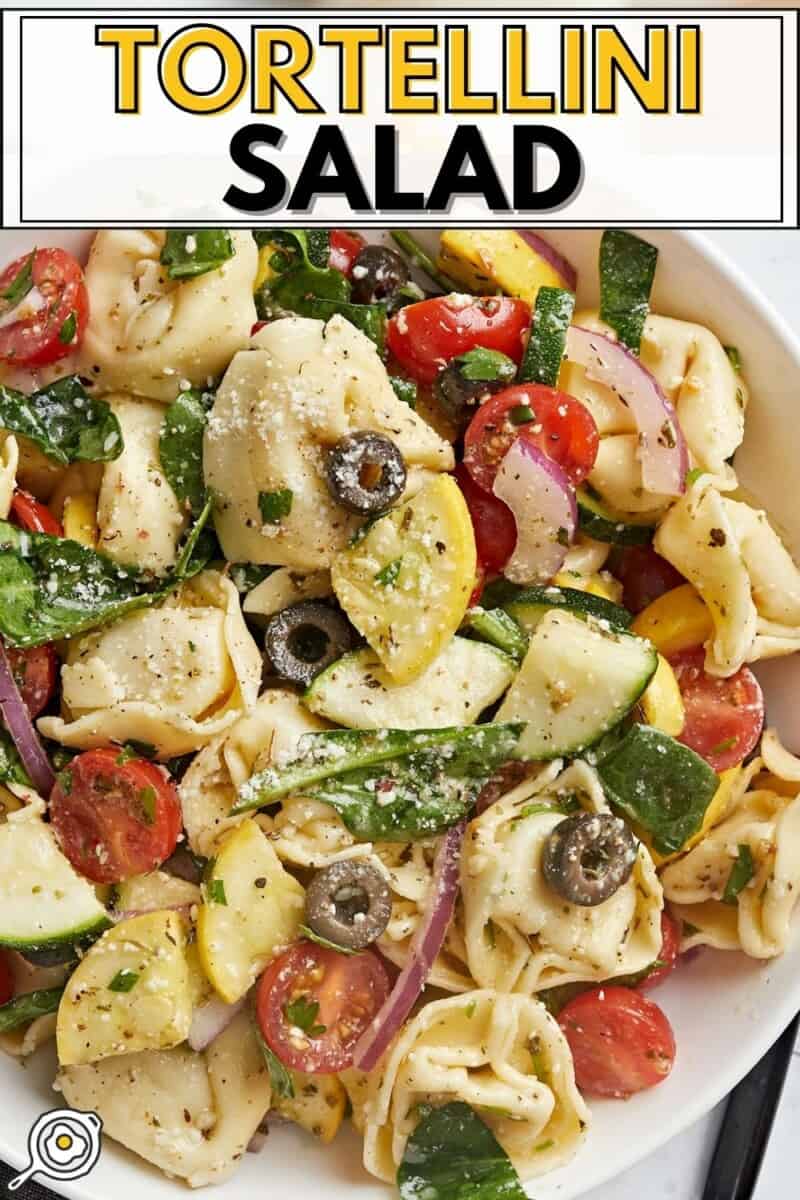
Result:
pixel 574 117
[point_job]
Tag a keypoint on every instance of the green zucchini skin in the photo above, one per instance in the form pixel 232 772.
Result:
pixel 627 270
pixel 544 352
pixel 530 605
pixel 499 629
pixel 598 521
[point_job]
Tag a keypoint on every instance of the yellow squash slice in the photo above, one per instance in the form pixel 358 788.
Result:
pixel 406 583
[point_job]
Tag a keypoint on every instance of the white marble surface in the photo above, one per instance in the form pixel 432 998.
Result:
pixel 678 1170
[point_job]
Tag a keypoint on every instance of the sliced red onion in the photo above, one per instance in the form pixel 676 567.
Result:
pixel 664 456
pixel 127 914
pixel 543 503
pixel 210 1020
pixel 19 725
pixel 425 946
pixel 549 253
pixel 257 1142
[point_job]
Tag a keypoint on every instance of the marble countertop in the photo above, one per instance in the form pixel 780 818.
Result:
pixel 678 1170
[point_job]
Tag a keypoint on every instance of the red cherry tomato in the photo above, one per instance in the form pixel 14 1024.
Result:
pixel 345 247
pixel 668 954
pixel 31 514
pixel 492 520
pixel 35 672
pixel 424 336
pixel 644 576
pixel 115 819
pixel 561 428
pixel 347 992
pixel 52 316
pixel 6 978
pixel 621 1042
pixel 724 717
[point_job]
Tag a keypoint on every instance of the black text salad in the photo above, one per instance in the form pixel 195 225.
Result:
pixel 378 728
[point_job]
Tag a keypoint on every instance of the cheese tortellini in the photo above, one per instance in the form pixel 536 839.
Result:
pixel 174 676
pixel 696 375
pixel 188 1113
pixel 9 461
pixel 742 570
pixel 139 518
pixel 280 407
pixel 764 816
pixel 523 937
pixel 208 789
pixel 503 1055
pixel 149 334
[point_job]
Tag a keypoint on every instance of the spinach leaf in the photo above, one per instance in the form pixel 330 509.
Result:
pixel 191 252
pixel 180 446
pixel 659 784
pixel 405 390
pixel 65 422
pixel 482 364
pixel 27 1007
pixel 302 273
pixel 453 1155
pixel 627 269
pixel 246 576
pixel 369 318
pixel 274 506
pixel 392 784
pixel 742 872
pixel 21 284
pixel 419 257
pixel 279 1077
pixel 54 587
pixel 11 768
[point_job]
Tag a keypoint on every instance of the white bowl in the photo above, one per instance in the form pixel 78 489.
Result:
pixel 726 1009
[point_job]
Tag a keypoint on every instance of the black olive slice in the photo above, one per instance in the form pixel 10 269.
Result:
pixel 588 857
pixel 366 473
pixel 349 903
pixel 377 274
pixel 304 639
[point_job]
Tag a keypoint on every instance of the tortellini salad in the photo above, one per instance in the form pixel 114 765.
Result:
pixel 378 723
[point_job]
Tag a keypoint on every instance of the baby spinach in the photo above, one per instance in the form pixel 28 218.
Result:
pixel 11 768
pixel 627 269
pixel 180 446
pixel 303 274
pixel 27 1007
pixel 405 390
pixel 369 318
pixel 188 253
pixel 392 784
pixel 65 422
pixel 659 784
pixel 54 587
pixel 742 872
pixel 453 1155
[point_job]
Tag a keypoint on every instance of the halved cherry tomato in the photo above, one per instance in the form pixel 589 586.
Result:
pixel 561 427
pixel 35 672
pixel 6 978
pixel 724 717
pixel 115 818
pixel 644 576
pixel 424 336
pixel 31 514
pixel 621 1042
pixel 51 318
pixel 492 520
pixel 345 247
pixel 313 1004
pixel 668 954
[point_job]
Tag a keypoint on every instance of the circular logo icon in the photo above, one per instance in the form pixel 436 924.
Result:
pixel 63 1144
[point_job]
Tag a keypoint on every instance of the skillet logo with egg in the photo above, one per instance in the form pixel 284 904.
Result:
pixel 62 1144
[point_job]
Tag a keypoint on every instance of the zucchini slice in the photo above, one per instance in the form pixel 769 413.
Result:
pixel 627 269
pixel 602 523
pixel 44 903
pixel 577 681
pixel 552 314
pixel 529 607
pixel 357 691
pixel 495 626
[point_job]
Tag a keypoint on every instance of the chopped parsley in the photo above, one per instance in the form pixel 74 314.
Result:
pixel 742 872
pixel 147 799
pixel 22 282
pixel 480 364
pixel 274 506
pixel 279 1077
pixel 66 333
pixel 215 892
pixel 124 980
pixel 388 574
pixel 303 1013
